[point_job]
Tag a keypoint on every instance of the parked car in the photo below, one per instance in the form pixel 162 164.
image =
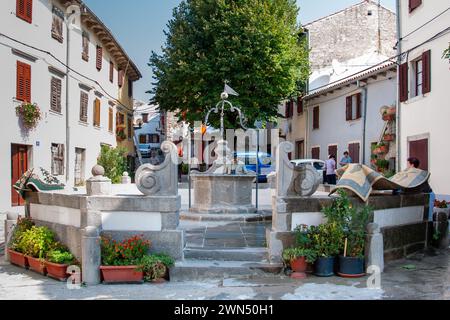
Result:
pixel 147 148
pixel 264 167
pixel 319 165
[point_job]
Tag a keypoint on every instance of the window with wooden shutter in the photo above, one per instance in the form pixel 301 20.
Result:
pixel 300 105
pixel 97 112
pixel 57 159
pixel 99 59
pixel 24 10
pixel 55 94
pixel 111 71
pixel 85 46
pixel 110 120
pixel 353 107
pixel 426 72
pixel 419 149
pixel 130 88
pixel 403 82
pixel 348 108
pixel 354 151
pixel 333 150
pixel 84 100
pixel 358 106
pixel 316 118
pixel 23 82
pixel 120 78
pixel 57 24
pixel 315 153
pixel 413 4
pixel 286 110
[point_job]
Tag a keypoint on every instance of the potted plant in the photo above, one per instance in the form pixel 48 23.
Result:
pixel 58 260
pixel 29 113
pixel 15 249
pixel 36 242
pixel 388 137
pixel 297 259
pixel 440 206
pixel 120 133
pixel 156 267
pixel 120 259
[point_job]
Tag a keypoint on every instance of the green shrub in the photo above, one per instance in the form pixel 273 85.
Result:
pixel 114 161
pixel 60 257
pixel 155 266
pixel 295 253
pixel 37 242
pixel 23 224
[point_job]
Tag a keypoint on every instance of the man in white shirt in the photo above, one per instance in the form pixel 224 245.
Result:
pixel 331 170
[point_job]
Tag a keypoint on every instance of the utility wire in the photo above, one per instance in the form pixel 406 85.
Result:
pixel 426 23
pixel 70 68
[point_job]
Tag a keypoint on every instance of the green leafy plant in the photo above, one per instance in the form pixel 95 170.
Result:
pixel 327 239
pixel 155 266
pixel 114 161
pixel 446 54
pixel 60 257
pixel 389 174
pixel 29 113
pixel 22 225
pixel 37 242
pixel 294 253
pixel 123 253
pixel 382 163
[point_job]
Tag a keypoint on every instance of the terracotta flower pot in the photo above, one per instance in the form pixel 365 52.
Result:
pixel 18 259
pixel 383 149
pixel 121 274
pixel 37 265
pixel 57 271
pixel 299 265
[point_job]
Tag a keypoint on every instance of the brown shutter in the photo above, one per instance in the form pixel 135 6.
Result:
pixel 403 83
pixel 286 111
pixel 110 120
pixel 55 94
pixel 354 150
pixel 97 112
pixel 316 117
pixel 130 88
pixel 426 74
pixel 413 4
pixel 23 83
pixel 99 58
pixel 315 153
pixel 419 149
pixel 24 10
pixel 348 108
pixel 358 106
pixel 299 105
pixel 111 71
pixel 83 106
pixel 120 80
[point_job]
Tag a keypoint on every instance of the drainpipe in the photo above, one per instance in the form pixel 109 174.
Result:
pixel 364 122
pixel 399 61
pixel 67 99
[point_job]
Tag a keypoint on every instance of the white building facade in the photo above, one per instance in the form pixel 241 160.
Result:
pixel 80 78
pixel 346 116
pixel 424 97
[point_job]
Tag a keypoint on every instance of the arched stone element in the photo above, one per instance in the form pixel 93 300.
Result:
pixel 161 179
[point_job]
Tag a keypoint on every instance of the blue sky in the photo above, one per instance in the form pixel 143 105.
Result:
pixel 139 26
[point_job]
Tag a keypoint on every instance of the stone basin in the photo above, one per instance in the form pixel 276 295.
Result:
pixel 216 193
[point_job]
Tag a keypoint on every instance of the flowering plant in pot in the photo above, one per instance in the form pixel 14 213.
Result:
pixel 16 250
pixel 120 259
pixel 156 267
pixel 58 260
pixel 120 133
pixel 29 113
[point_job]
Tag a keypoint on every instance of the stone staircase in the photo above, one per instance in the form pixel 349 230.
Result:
pixel 225 249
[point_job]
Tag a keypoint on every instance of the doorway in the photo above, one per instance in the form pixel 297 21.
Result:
pixel 80 159
pixel 19 165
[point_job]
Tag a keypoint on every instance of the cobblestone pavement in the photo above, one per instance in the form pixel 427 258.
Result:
pixel 423 276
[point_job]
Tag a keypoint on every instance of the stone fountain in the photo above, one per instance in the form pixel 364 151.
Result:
pixel 227 186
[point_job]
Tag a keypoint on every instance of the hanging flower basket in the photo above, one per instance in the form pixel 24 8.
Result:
pixel 30 114
pixel 120 133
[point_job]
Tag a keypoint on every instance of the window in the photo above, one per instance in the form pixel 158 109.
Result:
pixel 300 149
pixel 333 150
pixel 99 59
pixel 316 118
pixel 143 139
pixel 419 150
pixel 57 24
pixel 315 153
pixel 300 105
pixel 153 138
pixel 289 112
pixel 120 78
pixel 413 4
pixel 24 10
pixel 130 88
pixel 111 72
pixel 120 119
pixel 353 107
pixel 145 117
pixel 130 127
pixel 85 46
pixel 97 113
pixel 418 71
pixel 84 100
pixel 23 85
pixel 57 159
pixel 421 75
pixel 55 94
pixel 110 119
pixel 354 151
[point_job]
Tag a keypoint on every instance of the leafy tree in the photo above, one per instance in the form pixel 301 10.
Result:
pixel 255 45
pixel 114 161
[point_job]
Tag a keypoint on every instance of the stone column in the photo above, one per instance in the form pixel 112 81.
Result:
pixel 91 256
pixel 98 185
pixel 374 247
pixel 440 229
pixel 10 224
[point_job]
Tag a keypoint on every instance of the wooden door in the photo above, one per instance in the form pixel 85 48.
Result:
pixel 19 165
pixel 300 149
pixel 332 150
pixel 354 149
pixel 419 149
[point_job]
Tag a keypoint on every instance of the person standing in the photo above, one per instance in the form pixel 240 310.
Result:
pixel 331 170
pixel 346 159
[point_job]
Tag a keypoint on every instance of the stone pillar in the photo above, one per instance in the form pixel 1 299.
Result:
pixel 126 179
pixel 10 224
pixel 91 256
pixel 374 247
pixel 98 185
pixel 440 230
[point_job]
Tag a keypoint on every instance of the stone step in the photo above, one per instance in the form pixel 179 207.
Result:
pixel 244 254
pixel 264 215
pixel 194 269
